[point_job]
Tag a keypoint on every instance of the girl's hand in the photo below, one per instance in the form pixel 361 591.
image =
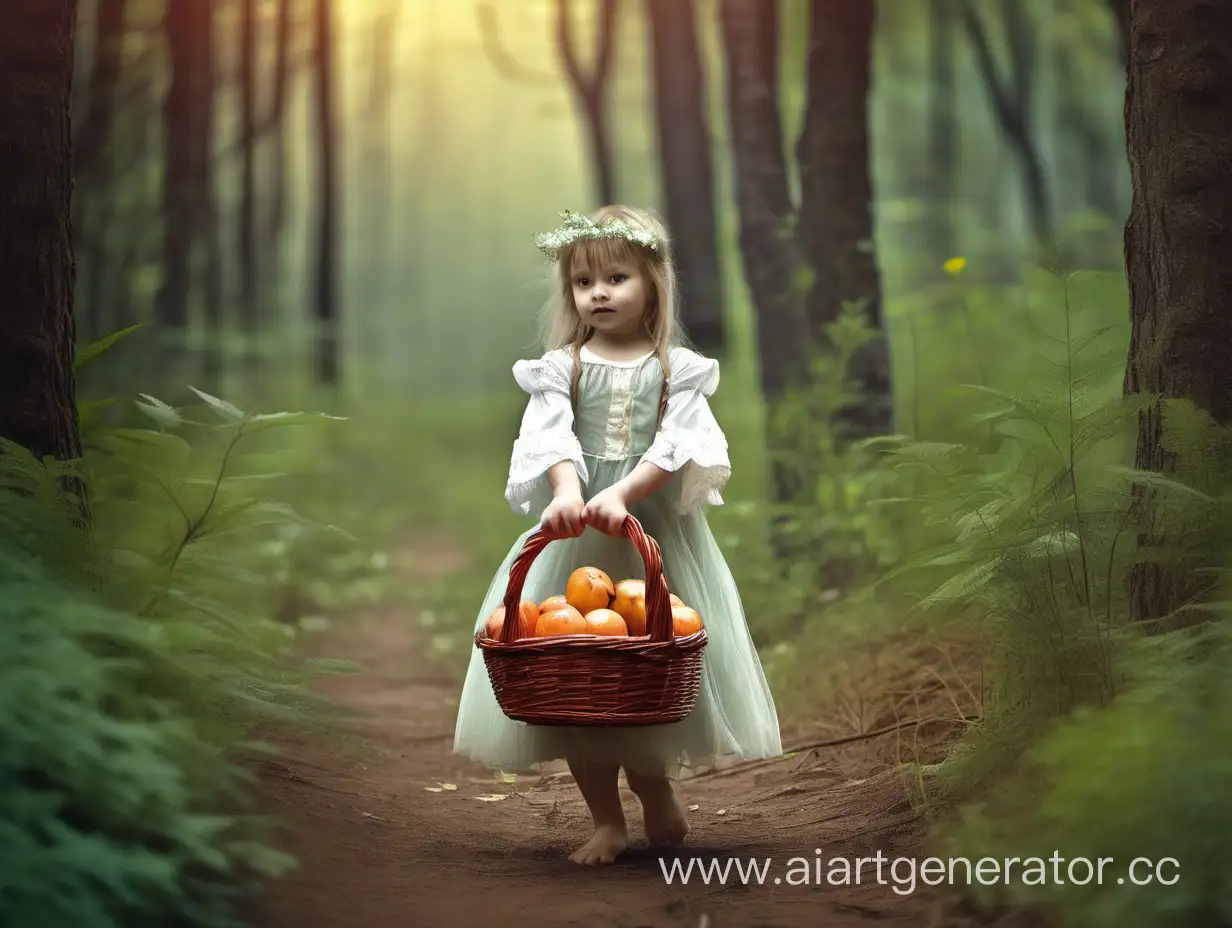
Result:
pixel 607 511
pixel 563 516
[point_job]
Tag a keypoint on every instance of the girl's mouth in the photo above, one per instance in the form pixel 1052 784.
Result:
pixel 602 309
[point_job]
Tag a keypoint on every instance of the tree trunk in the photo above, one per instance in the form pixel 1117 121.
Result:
pixel 93 166
pixel 278 98
pixel 248 258
pixel 591 89
pixel 836 193
pixel 208 221
pixel 685 165
pixel 763 199
pixel 943 132
pixel 1121 12
pixel 95 128
pixel 38 408
pixel 325 262
pixel 1012 102
pixel 1177 245
pixel 772 264
pixel 379 252
pixel 180 152
pixel 1096 184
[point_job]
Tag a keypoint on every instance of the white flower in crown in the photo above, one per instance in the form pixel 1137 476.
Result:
pixel 577 227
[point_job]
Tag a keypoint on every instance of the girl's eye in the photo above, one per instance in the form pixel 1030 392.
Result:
pixel 618 278
pixel 583 282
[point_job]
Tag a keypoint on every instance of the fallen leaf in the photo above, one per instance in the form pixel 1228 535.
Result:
pixel 449 786
pixel 508 777
pixel 492 797
pixel 433 789
pixel 375 818
pixel 721 812
pixel 694 807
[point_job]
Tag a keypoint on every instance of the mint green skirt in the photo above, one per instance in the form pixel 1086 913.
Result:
pixel 734 716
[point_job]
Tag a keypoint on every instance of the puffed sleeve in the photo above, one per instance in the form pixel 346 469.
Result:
pixel 546 436
pixel 690 436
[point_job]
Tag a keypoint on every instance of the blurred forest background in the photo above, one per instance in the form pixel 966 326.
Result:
pixel 908 252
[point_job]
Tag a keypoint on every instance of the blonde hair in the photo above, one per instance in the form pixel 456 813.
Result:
pixel 562 327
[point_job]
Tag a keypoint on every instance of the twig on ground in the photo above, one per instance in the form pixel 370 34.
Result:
pixel 834 742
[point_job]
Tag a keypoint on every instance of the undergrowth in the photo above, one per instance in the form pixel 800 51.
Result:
pixel 1098 736
pixel 141 655
pixel 1010 532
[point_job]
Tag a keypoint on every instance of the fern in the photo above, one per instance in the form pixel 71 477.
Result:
pixel 139 658
pixel 1096 739
pixel 1037 544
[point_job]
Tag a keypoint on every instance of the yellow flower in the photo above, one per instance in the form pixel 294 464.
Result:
pixel 955 266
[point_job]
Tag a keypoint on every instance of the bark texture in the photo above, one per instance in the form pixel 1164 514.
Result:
pixel 1121 13
pixel 187 123
pixel 767 235
pixel 1178 243
pixel 1013 103
pixel 37 404
pixel 836 194
pixel 591 89
pixel 685 167
pixel 326 257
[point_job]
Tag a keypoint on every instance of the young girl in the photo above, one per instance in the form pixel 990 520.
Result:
pixel 587 454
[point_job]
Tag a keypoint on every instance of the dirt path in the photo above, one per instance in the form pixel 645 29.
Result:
pixel 378 849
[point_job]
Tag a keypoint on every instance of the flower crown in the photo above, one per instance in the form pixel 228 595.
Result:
pixel 577 227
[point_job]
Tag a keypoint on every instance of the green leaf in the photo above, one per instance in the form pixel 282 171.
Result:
pixel 159 411
pixel 1057 542
pixel 225 410
pixel 1159 481
pixel 283 418
pixel 963 585
pixel 91 351
pixel 1037 410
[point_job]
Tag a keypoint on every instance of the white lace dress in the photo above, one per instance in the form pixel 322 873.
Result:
pixel 613 431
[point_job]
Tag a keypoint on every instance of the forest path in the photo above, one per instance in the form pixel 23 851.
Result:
pixel 383 844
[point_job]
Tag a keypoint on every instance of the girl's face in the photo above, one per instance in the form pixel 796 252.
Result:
pixel 612 296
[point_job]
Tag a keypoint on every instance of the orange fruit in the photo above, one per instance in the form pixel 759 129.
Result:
pixel 563 621
pixel 528 612
pixel 553 602
pixel 588 589
pixel 629 602
pixel 605 622
pixel 685 622
pixel 676 600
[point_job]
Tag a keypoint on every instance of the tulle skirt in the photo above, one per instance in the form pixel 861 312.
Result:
pixel 735 714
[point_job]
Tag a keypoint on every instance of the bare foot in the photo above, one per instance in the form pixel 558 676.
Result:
pixel 608 843
pixel 663 813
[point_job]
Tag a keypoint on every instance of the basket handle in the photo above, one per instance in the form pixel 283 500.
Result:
pixel 658 600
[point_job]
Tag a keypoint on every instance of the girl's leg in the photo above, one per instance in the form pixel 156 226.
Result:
pixel 598 784
pixel 662 810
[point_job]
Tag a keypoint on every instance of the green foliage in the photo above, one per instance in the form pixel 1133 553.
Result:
pixel 1098 739
pixel 138 661
pixel 1147 776
pixel 830 535
pixel 1038 540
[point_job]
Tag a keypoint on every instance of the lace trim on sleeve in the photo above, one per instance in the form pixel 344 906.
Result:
pixel 690 438
pixel 546 436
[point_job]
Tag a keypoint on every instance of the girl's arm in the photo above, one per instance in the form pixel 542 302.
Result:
pixel 645 480
pixel 563 516
pixel 564 480
pixel 608 509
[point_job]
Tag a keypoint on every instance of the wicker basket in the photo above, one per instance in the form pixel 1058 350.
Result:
pixel 605 680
